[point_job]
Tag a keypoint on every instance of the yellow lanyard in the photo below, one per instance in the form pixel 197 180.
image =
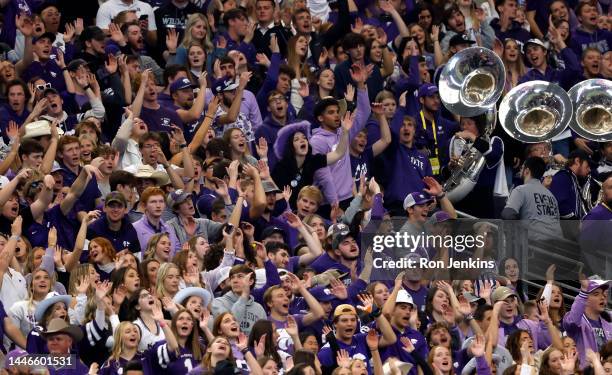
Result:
pixel 434 161
pixel 606 206
pixel 433 130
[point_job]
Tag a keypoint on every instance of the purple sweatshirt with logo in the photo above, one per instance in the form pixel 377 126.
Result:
pixel 340 187
pixel 578 327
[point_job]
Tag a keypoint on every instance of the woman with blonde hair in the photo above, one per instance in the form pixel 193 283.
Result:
pixel 168 279
pixel 159 248
pixel 22 312
pixel 197 31
pixel 125 349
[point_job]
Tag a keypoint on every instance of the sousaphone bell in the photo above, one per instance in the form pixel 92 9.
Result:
pixel 535 111
pixel 592 115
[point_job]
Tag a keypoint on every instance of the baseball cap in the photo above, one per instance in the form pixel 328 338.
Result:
pixel 268 231
pixel 415 198
pixel 50 90
pixel 535 41
pixel 177 197
pixel 270 187
pixel 471 298
pixel 224 84
pixel 115 196
pixel 179 84
pixel 427 89
pixel 322 294
pixel 12 356
pixel 339 232
pixel 459 39
pixel 596 282
pixel 501 293
pixel 112 49
pixel 404 297
pixel 439 217
pixel 344 309
pixel 47 35
pixel 56 167
pixel 583 156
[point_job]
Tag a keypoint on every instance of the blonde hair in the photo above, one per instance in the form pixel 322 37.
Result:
pixel 162 273
pixel 77 274
pixel 118 340
pixel 31 286
pixel 188 40
pixel 152 245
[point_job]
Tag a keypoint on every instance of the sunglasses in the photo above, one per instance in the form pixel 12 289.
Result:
pixel 43 87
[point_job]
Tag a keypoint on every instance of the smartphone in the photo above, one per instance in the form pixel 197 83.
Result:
pixel 229 228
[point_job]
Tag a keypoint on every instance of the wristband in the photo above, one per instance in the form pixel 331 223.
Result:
pixel 87 87
pixel 244 351
pixel 171 53
pixel 469 317
pixel 183 145
pixel 441 196
pixel 64 69
pixel 376 312
pixel 16 237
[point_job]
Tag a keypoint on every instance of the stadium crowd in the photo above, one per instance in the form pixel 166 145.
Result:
pixel 185 184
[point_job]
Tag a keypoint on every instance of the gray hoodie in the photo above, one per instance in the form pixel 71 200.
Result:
pixel 245 311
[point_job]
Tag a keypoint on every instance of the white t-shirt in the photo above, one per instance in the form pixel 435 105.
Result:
pixel 148 338
pixel 111 8
pixel 14 288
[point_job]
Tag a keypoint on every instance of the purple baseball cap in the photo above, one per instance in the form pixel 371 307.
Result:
pixel 427 89
pixel 440 217
pixel 417 197
pixel 596 283
pixel 322 294
pixel 224 84
pixel 179 84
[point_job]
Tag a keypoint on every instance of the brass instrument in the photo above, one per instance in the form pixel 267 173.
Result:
pixel 470 84
pixel 535 111
pixel 592 117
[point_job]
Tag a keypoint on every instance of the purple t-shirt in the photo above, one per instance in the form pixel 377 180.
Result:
pixel 285 343
pixel 358 349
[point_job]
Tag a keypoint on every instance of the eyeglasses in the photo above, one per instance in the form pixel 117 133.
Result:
pixel 43 87
pixel 35 184
pixel 277 99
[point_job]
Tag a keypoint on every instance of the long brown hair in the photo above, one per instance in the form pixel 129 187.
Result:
pixel 555 314
pixel 432 354
pixel 193 341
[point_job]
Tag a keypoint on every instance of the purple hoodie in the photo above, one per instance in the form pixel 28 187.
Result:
pixel 579 328
pixel 600 39
pixel 340 187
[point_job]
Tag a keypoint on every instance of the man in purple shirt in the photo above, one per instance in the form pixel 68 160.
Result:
pixel 151 223
pixel 588 34
pixel 277 302
pixel 157 117
pixel 114 224
pixel 505 26
pixel 45 67
pixel 339 188
pixel 536 52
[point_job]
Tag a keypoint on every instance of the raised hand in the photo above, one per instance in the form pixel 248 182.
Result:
pixel 372 339
pixel 348 120
pixel 543 311
pixel 262 148
pixel 274 44
pixel 24 24
pixel 386 6
pixel 326 330
pixel 78 26
pixel 204 318
pixel 433 188
pixel 377 109
pixel 102 290
pixel 550 273
pixel 245 77
pixel 13 131
pixel 292 327
pixel 435 32
pixel 82 285
pixel 358 28
pixel 343 359
pixel 262 59
pixel 242 341
pixel 111 64
pixel 293 220
pixel 16 226
pixel 323 57
pixel 408 346
pixel 478 346
pixel 221 42
pixel 69 33
pixel 52 237
pixel 260 348
pixel 172 40
pixel 287 193
pixel 367 302
pixel 349 95
pixel 338 289
pixel 359 74
pixel 115 34
pixel 58 259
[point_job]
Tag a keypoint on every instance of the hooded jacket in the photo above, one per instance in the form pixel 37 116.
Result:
pixel 246 311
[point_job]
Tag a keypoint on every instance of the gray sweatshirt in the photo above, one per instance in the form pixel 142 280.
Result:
pixel 245 311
